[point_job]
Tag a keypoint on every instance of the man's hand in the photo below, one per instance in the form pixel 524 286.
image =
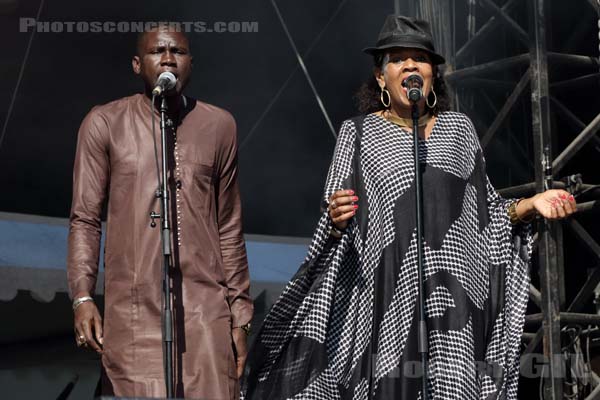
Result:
pixel 88 324
pixel 241 351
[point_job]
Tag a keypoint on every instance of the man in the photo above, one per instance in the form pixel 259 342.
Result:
pixel 115 160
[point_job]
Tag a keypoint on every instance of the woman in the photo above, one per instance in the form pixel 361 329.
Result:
pixel 345 327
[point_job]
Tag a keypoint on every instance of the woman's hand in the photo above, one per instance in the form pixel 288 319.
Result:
pixel 552 204
pixel 342 208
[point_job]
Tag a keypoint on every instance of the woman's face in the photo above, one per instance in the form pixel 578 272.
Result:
pixel 398 64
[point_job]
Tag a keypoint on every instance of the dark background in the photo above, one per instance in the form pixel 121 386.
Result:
pixel 283 164
pixel 285 142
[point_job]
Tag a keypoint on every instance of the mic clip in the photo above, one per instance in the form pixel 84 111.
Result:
pixel 153 216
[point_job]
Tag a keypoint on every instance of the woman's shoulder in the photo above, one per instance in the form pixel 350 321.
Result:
pixel 362 124
pixel 349 126
pixel 454 116
pixel 456 121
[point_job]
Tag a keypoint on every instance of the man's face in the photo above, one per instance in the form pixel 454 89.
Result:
pixel 161 51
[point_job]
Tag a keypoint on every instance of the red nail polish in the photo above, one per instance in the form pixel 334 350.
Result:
pixel 350 192
pixel 355 198
pixel 571 198
pixel 355 206
pixel 563 196
pixel 353 212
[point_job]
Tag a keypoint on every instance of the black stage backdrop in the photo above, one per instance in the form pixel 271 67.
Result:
pixel 285 141
pixel 286 144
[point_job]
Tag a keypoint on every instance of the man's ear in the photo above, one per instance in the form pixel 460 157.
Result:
pixel 136 65
pixel 378 73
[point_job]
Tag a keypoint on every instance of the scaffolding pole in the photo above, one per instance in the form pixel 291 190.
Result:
pixel 550 234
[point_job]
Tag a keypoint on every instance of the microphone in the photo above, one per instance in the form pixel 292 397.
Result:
pixel 165 82
pixel 414 87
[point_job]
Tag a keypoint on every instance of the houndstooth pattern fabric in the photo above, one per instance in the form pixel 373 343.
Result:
pixel 344 327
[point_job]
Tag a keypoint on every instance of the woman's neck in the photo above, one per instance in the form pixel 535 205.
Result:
pixel 406 112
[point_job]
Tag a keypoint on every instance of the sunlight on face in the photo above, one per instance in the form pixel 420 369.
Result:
pixel 397 65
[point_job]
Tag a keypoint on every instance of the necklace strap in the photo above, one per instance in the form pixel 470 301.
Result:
pixel 406 122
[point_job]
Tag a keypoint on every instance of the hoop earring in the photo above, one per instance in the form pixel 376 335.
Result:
pixel 434 101
pixel 384 90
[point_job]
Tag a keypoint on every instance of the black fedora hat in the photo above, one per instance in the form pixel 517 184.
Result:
pixel 401 31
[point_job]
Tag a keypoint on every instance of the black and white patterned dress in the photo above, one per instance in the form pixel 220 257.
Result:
pixel 345 325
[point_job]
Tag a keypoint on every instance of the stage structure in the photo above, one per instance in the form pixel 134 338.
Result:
pixel 527 73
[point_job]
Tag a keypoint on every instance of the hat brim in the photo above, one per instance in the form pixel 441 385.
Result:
pixel 435 58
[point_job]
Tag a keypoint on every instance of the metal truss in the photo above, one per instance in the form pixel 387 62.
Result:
pixel 530 61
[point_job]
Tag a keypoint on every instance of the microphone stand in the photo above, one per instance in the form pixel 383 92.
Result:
pixel 423 346
pixel 167 314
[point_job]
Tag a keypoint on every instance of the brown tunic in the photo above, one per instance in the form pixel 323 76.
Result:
pixel 210 281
